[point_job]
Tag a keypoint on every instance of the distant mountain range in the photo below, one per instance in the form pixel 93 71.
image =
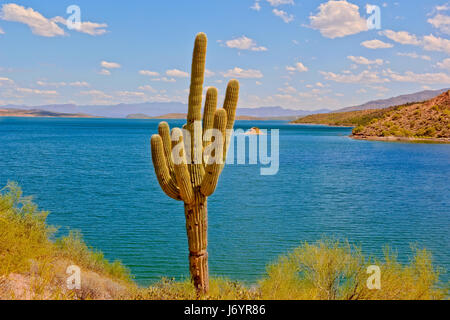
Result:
pixel 161 109
pixel 396 101
pixel 158 109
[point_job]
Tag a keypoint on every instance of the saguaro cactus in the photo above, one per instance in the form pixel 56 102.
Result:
pixel 191 180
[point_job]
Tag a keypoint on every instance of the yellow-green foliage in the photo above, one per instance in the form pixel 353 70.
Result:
pixel 23 231
pixel 24 240
pixel 332 270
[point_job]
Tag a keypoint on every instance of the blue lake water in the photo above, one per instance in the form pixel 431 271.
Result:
pixel 96 175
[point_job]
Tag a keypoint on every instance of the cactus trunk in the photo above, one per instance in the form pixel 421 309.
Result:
pixel 197 234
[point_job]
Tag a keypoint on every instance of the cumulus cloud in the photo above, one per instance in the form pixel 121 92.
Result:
pixel 242 73
pixel 444 64
pixel 276 3
pixel 149 73
pixel 414 55
pixel 38 24
pixel 37 92
pixel 110 65
pixel 441 22
pixel 298 67
pixel 376 44
pixel 348 77
pixel 402 37
pixel 337 19
pixel 79 84
pixel 104 72
pixel 365 61
pixel 148 88
pixel 432 43
pixel 426 78
pixel 256 6
pixel 177 73
pixel 244 43
pixel 209 73
pixel 96 94
pixel 164 79
pixel 283 15
pixel 91 28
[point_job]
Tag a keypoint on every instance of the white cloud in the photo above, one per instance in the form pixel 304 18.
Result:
pixel 376 44
pixel 110 65
pixel 402 37
pixel 177 73
pixel 131 94
pixel 147 88
pixel 432 43
pixel 276 3
pixel 242 73
pixel 348 77
pixel 5 81
pixel 51 84
pixel 209 73
pixel 445 64
pixel 299 67
pixel 1 31
pixel 338 19
pixel 104 72
pixel 441 22
pixel 91 28
pixel 414 55
pixel 164 79
pixel 365 61
pixel 256 6
pixel 426 78
pixel 38 24
pixel 149 73
pixel 443 7
pixel 96 94
pixel 79 84
pixel 244 43
pixel 37 92
pixel 283 15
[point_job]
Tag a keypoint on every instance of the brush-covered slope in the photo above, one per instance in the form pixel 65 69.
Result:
pixel 429 120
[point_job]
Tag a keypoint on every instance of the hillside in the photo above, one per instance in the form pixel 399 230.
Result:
pixel 396 101
pixel 346 119
pixel 429 120
pixel 40 113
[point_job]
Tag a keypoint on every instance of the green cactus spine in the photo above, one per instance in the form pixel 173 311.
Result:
pixel 193 181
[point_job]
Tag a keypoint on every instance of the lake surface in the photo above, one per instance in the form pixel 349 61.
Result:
pixel 96 175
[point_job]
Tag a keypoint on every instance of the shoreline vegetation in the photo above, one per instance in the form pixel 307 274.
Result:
pixel 33 265
pixel 427 121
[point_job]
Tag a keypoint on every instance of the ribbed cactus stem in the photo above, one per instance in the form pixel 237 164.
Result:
pixel 174 155
pixel 162 171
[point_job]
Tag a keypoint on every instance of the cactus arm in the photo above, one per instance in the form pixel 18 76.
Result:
pixel 230 104
pixel 162 171
pixel 208 114
pixel 213 170
pixel 181 168
pixel 164 132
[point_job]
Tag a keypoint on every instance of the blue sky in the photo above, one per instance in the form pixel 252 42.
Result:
pixel 292 53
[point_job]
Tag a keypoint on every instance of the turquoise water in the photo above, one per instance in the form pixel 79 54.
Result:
pixel 96 175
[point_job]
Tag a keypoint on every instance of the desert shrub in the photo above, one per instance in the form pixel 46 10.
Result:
pixel 25 240
pixel 333 270
pixel 24 233
pixel 358 129
pixel 219 289
pixel 72 247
